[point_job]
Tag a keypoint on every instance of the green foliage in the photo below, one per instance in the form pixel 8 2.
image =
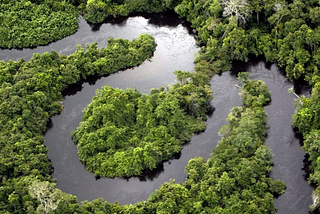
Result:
pixel 29 94
pixel 51 199
pixel 311 146
pixel 235 177
pixel 255 93
pixel 233 180
pixel 307 117
pixel 27 24
pixel 170 198
pixel 123 133
pixel 198 12
pixel 28 194
pixel 95 11
pixel 98 206
pixel 285 32
pixel 236 45
pixel 193 97
pixel 307 122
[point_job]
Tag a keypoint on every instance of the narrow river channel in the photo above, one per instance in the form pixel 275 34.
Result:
pixel 285 145
pixel 175 51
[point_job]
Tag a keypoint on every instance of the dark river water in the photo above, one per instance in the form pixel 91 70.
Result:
pixel 175 51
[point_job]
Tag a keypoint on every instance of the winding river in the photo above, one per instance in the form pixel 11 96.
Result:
pixel 175 51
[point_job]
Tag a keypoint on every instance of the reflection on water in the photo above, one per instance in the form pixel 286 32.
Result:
pixel 175 51
pixel 285 144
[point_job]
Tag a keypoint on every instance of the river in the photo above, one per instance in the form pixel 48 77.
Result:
pixel 176 48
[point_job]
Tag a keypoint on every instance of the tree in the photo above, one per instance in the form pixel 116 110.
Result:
pixel 235 44
pixel 47 194
pixel 96 11
pixel 237 8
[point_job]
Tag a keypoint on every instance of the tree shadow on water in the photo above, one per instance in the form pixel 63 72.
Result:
pixel 150 175
pixel 120 21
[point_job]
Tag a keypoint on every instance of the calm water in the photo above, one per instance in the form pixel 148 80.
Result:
pixel 175 51
pixel 285 145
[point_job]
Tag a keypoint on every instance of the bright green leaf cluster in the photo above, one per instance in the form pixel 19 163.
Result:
pixel 255 93
pixel 30 92
pixel 95 11
pixel 25 24
pixel 284 32
pixel 307 121
pixel 234 179
pixel 123 133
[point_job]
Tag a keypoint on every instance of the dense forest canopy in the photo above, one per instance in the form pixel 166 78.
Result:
pixel 25 24
pixel 235 177
pixel 284 32
pixel 125 132
pixel 30 92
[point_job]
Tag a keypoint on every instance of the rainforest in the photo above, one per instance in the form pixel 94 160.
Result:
pixel 126 133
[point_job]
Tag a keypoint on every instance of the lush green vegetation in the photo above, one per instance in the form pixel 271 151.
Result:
pixel 29 94
pixel 255 93
pixel 285 32
pixel 125 132
pixel 32 23
pixel 306 120
pixel 96 11
pixel 233 180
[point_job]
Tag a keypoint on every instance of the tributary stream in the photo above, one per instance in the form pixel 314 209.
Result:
pixel 175 51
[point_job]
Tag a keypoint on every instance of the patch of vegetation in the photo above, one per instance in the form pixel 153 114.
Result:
pixel 26 24
pixel 234 179
pixel 96 11
pixel 123 133
pixel 284 32
pixel 255 93
pixel 29 94
pixel 307 121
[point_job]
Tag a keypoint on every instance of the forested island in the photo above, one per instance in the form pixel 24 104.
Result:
pixel 236 176
pixel 125 132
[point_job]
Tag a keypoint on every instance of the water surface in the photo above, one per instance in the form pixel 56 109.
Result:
pixel 175 51
pixel 285 145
